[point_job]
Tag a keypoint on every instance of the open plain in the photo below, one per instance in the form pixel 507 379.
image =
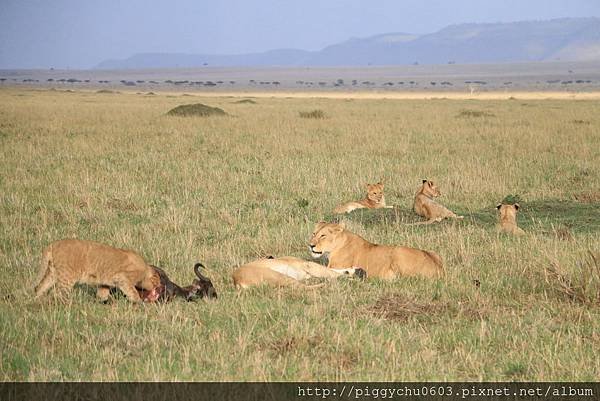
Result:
pixel 113 167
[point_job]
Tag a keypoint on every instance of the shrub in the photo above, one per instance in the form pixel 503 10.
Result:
pixel 313 114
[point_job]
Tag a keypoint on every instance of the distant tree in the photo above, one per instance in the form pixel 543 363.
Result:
pixel 50 80
pixel 340 81
pixel 2 80
pixel 276 83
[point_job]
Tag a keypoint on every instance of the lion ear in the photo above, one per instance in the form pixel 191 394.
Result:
pixel 498 206
pixel 320 225
pixel 380 184
pixel 342 225
pixel 517 206
pixel 424 181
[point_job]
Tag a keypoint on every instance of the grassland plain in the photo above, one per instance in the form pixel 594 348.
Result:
pixel 225 190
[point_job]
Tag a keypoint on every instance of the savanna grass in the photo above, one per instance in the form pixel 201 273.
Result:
pixel 115 169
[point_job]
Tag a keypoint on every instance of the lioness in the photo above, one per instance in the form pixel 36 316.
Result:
pixel 427 207
pixel 348 249
pixel 285 271
pixel 507 220
pixel 374 200
pixel 71 261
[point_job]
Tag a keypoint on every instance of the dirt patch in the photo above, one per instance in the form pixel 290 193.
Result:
pixel 399 308
pixel 196 110
pixel 588 197
pixel 474 113
pixel 293 343
pixel 121 204
pixel 245 101
pixel 581 285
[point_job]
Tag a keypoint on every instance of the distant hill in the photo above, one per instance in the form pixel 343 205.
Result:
pixel 566 39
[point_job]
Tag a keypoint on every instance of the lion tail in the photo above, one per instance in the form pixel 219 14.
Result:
pixel 437 260
pixel 45 276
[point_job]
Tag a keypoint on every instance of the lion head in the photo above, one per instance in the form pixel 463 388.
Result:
pixel 429 189
pixel 375 192
pixel 325 238
pixel 508 212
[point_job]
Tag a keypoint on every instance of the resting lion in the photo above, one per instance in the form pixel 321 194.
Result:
pixel 286 271
pixel 388 262
pixel 71 261
pixel 427 207
pixel 374 200
pixel 508 219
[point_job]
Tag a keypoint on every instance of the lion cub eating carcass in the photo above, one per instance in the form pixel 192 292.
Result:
pixel 72 261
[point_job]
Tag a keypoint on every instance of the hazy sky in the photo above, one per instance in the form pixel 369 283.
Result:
pixel 81 33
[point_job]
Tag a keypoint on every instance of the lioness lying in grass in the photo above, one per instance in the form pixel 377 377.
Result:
pixel 348 249
pixel 374 200
pixel 426 206
pixel 286 271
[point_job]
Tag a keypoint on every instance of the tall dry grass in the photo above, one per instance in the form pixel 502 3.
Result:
pixel 225 190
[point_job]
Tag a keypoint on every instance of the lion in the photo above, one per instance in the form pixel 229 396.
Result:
pixel 427 207
pixel 348 249
pixel 507 219
pixel 71 261
pixel 286 271
pixel 374 200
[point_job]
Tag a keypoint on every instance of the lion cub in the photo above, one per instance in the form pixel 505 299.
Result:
pixel 374 200
pixel 71 261
pixel 508 219
pixel 427 207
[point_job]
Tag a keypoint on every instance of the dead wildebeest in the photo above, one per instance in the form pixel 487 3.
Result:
pixel 201 287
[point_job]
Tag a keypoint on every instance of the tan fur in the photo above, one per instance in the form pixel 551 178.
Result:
pixel 427 207
pixel 283 271
pixel 374 200
pixel 71 261
pixel 507 219
pixel 348 249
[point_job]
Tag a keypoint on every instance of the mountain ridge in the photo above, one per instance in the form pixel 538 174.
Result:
pixel 564 39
